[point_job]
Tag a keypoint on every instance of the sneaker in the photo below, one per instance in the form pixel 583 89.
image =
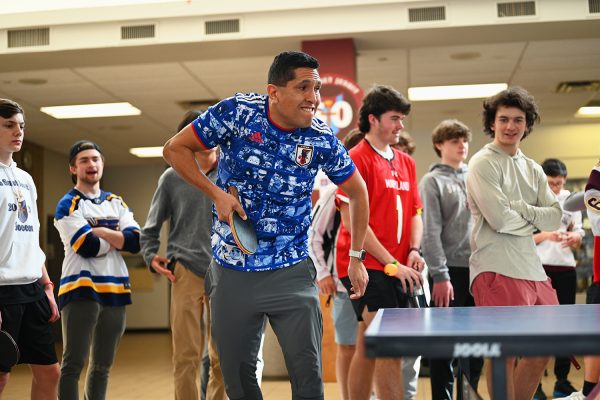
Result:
pixel 572 396
pixel 562 388
pixel 539 393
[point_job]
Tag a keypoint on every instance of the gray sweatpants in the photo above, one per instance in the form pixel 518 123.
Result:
pixel 86 325
pixel 288 297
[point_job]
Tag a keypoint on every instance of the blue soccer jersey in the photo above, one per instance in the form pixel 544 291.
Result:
pixel 274 171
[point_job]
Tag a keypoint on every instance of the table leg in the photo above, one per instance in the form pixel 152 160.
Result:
pixel 459 380
pixel 499 378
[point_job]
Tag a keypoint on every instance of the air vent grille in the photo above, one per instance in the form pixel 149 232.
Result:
pixel 28 37
pixel 222 26
pixel 578 86
pixel 594 6
pixel 425 14
pixel 516 9
pixel 138 32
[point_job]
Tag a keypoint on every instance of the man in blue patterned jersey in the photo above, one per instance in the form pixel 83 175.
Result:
pixel 94 226
pixel 271 149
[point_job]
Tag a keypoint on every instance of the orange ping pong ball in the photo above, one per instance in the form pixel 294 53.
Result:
pixel 390 269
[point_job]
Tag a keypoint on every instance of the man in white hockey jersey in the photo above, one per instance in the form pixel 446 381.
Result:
pixel 94 226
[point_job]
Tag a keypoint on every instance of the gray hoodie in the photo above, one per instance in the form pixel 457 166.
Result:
pixel 446 220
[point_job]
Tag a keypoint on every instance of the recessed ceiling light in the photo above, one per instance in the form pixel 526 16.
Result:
pixel 426 93
pixel 465 55
pixel 147 152
pixel 91 110
pixel 33 81
pixel 121 127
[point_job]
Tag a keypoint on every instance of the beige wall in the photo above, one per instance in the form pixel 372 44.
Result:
pixel 56 183
pixel 150 293
pixel 136 184
pixel 577 145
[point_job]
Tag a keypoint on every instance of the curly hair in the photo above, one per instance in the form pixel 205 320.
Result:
pixel 516 97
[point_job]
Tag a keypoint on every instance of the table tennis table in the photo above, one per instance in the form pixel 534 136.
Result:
pixel 494 332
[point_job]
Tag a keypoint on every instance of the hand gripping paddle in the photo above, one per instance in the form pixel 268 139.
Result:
pixel 243 232
pixel 413 297
pixel 9 352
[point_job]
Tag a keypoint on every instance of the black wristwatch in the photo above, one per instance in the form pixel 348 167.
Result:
pixel 418 250
pixel 360 254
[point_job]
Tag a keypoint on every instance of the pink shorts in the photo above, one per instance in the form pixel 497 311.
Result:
pixel 492 289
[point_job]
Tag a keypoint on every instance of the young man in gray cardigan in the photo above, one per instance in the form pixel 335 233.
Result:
pixel 447 228
pixel 510 199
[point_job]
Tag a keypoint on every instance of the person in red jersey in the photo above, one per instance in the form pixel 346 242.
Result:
pixel 393 236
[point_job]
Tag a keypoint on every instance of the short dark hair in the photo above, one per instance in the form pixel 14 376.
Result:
pixel 553 167
pixel 8 108
pixel 189 117
pixel 284 64
pixel 80 146
pixel 449 129
pixel 512 97
pixel 379 100
pixel 77 148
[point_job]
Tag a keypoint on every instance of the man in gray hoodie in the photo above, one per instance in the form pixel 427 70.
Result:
pixel 447 228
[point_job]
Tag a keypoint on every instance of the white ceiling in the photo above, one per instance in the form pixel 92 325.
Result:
pixel 156 78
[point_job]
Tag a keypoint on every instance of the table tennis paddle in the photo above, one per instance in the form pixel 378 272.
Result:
pixel 9 351
pixel 413 297
pixel 243 232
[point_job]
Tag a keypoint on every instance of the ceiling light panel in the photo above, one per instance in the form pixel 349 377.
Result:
pixel 147 152
pixel 91 110
pixel 453 92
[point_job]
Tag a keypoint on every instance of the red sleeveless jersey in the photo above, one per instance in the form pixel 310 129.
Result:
pixel 393 202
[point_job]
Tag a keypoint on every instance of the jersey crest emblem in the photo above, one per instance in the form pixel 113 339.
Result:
pixel 22 212
pixel 593 203
pixel 304 154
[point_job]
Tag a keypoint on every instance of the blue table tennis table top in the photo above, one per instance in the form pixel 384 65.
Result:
pixel 485 331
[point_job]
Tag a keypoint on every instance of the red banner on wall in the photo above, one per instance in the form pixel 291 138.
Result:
pixel 341 99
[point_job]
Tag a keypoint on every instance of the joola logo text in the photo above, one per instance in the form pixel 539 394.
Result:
pixel 477 350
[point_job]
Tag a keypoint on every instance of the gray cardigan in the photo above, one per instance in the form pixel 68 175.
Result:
pixel 189 212
pixel 510 199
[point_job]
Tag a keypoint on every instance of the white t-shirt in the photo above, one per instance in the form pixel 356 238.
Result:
pixel 551 252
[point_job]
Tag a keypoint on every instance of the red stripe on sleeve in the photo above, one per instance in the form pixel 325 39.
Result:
pixel 204 145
